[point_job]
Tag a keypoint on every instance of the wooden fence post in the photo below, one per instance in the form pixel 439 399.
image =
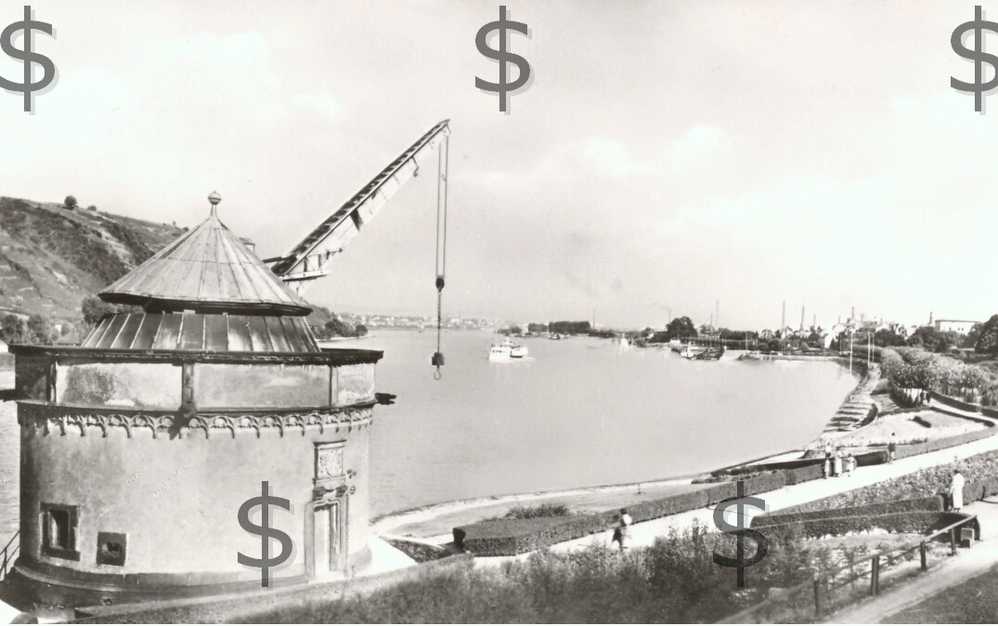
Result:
pixel 952 542
pixel 875 575
pixel 817 597
pixel 924 556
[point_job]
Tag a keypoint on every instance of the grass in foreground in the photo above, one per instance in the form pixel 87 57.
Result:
pixel 972 602
pixel 675 580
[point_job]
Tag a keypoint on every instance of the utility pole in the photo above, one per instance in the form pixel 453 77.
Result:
pixel 850 347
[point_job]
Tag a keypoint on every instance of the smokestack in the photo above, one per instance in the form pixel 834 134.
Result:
pixel 852 314
pixel 814 321
pixel 783 319
pixel 802 318
pixel 717 313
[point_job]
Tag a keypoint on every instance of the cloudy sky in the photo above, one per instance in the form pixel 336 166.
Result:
pixel 666 154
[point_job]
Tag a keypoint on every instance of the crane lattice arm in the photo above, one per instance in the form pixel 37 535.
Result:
pixel 307 260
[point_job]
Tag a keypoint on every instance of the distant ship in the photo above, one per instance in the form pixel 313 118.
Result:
pixel 507 350
pixel 702 353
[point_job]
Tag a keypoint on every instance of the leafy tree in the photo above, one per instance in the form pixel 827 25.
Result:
pixel 887 337
pixel 570 328
pixel 93 309
pixel 70 203
pixel 987 337
pixel 39 329
pixel 13 329
pixel 537 328
pixel 680 327
pixel 931 339
pixel 360 330
pixel 338 328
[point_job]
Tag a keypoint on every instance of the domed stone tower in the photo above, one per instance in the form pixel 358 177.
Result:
pixel 139 446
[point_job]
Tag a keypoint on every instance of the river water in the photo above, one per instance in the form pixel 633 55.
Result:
pixel 577 412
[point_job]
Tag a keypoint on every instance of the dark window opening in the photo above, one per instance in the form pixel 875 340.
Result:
pixel 59 531
pixel 111 548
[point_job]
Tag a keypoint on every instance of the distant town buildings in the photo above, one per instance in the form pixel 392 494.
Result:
pixel 961 327
pixel 372 320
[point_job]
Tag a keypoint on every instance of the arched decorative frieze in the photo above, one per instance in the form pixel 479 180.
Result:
pixel 50 419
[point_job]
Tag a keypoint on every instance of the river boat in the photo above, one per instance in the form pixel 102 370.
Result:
pixel 518 351
pixel 711 353
pixel 500 352
pixel 690 351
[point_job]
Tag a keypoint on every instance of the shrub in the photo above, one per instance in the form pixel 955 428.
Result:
pixel 538 510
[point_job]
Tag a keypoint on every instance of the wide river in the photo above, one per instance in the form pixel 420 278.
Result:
pixel 577 412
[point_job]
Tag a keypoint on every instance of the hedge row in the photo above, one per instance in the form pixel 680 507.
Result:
pixel 507 537
pixel 903 522
pixel 912 449
pixel 955 402
pixel 927 504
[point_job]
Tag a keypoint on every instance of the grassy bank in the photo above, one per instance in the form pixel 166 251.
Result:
pixel 971 602
pixel 675 580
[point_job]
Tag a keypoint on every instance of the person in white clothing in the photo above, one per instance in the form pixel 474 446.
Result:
pixel 622 534
pixel 956 491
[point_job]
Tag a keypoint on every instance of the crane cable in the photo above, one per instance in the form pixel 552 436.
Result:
pixel 443 159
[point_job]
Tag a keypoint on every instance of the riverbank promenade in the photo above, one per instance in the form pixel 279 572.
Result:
pixel 435 524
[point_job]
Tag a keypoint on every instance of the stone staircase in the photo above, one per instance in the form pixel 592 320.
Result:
pixel 857 404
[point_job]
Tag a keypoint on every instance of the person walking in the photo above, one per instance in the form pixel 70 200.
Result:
pixel 838 461
pixel 892 447
pixel 956 491
pixel 828 459
pixel 622 534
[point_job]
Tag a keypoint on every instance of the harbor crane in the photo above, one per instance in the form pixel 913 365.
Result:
pixel 309 258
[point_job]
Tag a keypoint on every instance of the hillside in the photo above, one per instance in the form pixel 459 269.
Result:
pixel 52 257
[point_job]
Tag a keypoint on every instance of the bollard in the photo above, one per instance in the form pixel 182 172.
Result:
pixel 924 556
pixel 952 542
pixel 875 575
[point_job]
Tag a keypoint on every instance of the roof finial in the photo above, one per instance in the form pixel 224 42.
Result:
pixel 214 199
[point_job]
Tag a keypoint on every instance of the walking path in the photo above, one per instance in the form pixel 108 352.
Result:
pixel 644 533
pixel 951 571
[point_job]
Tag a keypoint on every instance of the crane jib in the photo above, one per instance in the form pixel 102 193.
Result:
pixel 308 258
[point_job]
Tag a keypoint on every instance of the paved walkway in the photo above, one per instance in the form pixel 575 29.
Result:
pixel 949 572
pixel 644 534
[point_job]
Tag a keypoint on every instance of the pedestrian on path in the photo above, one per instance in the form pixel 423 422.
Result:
pixel 892 447
pixel 850 464
pixel 622 533
pixel 956 491
pixel 838 461
pixel 828 458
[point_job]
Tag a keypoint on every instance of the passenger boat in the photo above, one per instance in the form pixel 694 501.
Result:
pixel 507 350
pixel 689 351
pixel 500 352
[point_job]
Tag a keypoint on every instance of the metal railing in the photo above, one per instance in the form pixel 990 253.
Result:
pixel 9 554
pixel 820 588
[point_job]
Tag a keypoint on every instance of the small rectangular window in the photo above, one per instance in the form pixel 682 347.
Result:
pixel 111 548
pixel 59 523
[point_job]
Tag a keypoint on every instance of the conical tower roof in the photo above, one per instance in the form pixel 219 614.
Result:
pixel 208 269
